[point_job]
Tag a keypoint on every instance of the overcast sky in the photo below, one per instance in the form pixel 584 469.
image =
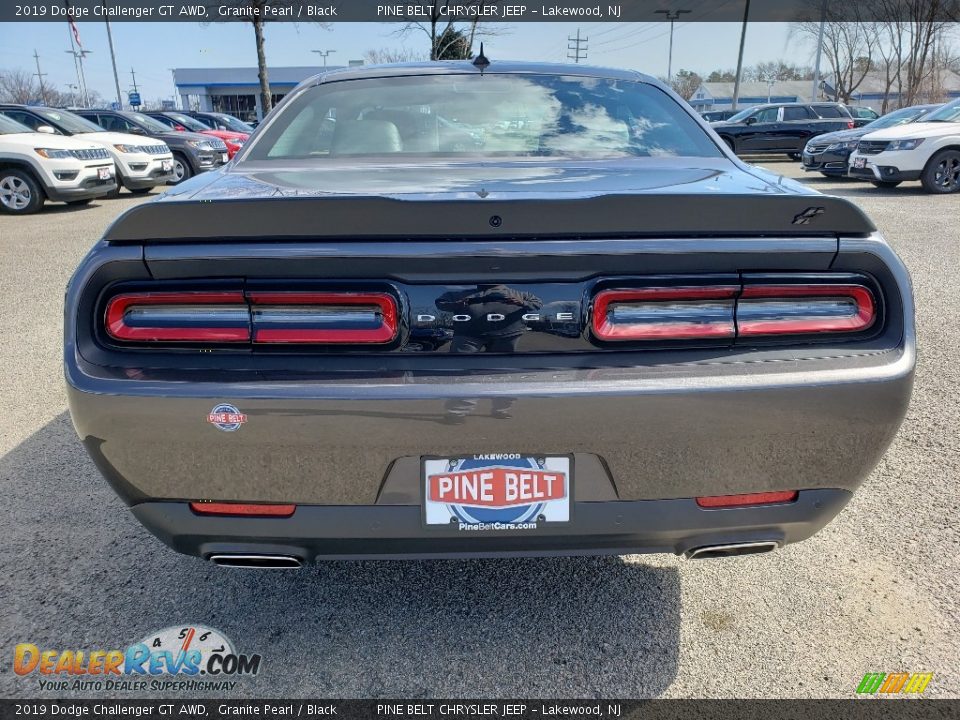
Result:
pixel 152 49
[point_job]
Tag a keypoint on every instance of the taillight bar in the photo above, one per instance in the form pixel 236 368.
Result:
pixel 179 317
pixel 748 499
pixel 263 317
pixel 726 311
pixel 323 317
pixel 656 313
pixel 804 309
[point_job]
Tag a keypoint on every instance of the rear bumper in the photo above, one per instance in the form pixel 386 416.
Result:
pixel 392 531
pixel 643 433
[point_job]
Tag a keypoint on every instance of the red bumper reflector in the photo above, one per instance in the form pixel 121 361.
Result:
pixel 248 509
pixel 664 313
pixel 764 498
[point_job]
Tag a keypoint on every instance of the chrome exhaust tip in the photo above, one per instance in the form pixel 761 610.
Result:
pixel 731 550
pixel 261 562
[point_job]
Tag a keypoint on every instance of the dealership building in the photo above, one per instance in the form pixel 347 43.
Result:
pixel 237 90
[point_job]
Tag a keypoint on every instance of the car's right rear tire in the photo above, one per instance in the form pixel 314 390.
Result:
pixel 20 193
pixel 942 173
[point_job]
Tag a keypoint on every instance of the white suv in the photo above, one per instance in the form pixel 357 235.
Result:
pixel 35 167
pixel 142 162
pixel 927 151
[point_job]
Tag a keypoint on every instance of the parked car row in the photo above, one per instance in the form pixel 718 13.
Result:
pixel 55 154
pixel 915 143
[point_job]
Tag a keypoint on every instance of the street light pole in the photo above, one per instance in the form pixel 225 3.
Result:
pixel 323 54
pixel 672 16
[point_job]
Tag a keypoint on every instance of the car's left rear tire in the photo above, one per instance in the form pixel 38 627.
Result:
pixel 942 173
pixel 795 156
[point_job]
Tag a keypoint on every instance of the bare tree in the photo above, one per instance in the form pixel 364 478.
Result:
pixel 381 56
pixel 849 46
pixel 444 32
pixel 18 86
pixel 258 13
pixel 685 83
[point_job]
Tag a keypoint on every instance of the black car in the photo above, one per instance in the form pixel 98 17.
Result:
pixel 862 115
pixel 590 330
pixel 717 115
pixel 781 127
pixel 192 153
pixel 829 153
pixel 220 121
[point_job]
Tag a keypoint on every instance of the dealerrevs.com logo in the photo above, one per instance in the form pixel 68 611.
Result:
pixel 182 657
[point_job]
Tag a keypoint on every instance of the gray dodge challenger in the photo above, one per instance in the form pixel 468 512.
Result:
pixel 487 308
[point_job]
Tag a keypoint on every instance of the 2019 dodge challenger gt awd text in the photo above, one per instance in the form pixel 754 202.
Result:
pixel 482 308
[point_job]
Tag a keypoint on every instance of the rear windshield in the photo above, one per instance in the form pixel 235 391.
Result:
pixel 487 116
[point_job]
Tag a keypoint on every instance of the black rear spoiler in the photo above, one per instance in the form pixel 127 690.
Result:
pixel 373 218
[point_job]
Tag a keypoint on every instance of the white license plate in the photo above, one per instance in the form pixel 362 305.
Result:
pixel 495 492
pixel 104 173
pixel 224 157
pixel 859 162
pixel 166 165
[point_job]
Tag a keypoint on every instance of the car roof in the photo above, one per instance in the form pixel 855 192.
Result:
pixel 460 67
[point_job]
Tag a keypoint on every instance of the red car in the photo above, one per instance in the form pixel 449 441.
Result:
pixel 184 123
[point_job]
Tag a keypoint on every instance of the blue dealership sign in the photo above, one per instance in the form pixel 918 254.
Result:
pixel 134 99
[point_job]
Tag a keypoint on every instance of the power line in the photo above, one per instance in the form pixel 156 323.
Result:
pixel 576 47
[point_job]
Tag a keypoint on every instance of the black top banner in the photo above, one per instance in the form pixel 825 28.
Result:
pixel 581 11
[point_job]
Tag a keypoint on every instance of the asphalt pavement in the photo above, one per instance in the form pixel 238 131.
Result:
pixel 876 591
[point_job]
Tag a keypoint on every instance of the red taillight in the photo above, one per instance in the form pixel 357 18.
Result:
pixel 179 316
pixel 665 313
pixel 763 498
pixel 803 309
pixel 247 509
pixel 324 317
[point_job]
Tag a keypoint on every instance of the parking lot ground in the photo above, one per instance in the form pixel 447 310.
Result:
pixel 876 591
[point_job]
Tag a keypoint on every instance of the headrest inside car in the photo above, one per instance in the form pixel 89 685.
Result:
pixel 365 137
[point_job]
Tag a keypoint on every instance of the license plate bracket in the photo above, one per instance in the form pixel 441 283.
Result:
pixel 496 492
pixel 859 163
pixel 104 173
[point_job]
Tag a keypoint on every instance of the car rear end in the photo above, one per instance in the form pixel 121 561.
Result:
pixel 444 356
pixel 285 399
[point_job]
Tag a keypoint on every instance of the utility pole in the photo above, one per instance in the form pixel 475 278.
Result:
pixel 133 76
pixel 672 16
pixel 816 65
pixel 40 76
pixel 113 60
pixel 577 41
pixel 743 38
pixel 78 56
pixel 323 54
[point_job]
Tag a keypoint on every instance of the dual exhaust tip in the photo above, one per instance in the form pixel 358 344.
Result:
pixel 731 550
pixel 257 562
